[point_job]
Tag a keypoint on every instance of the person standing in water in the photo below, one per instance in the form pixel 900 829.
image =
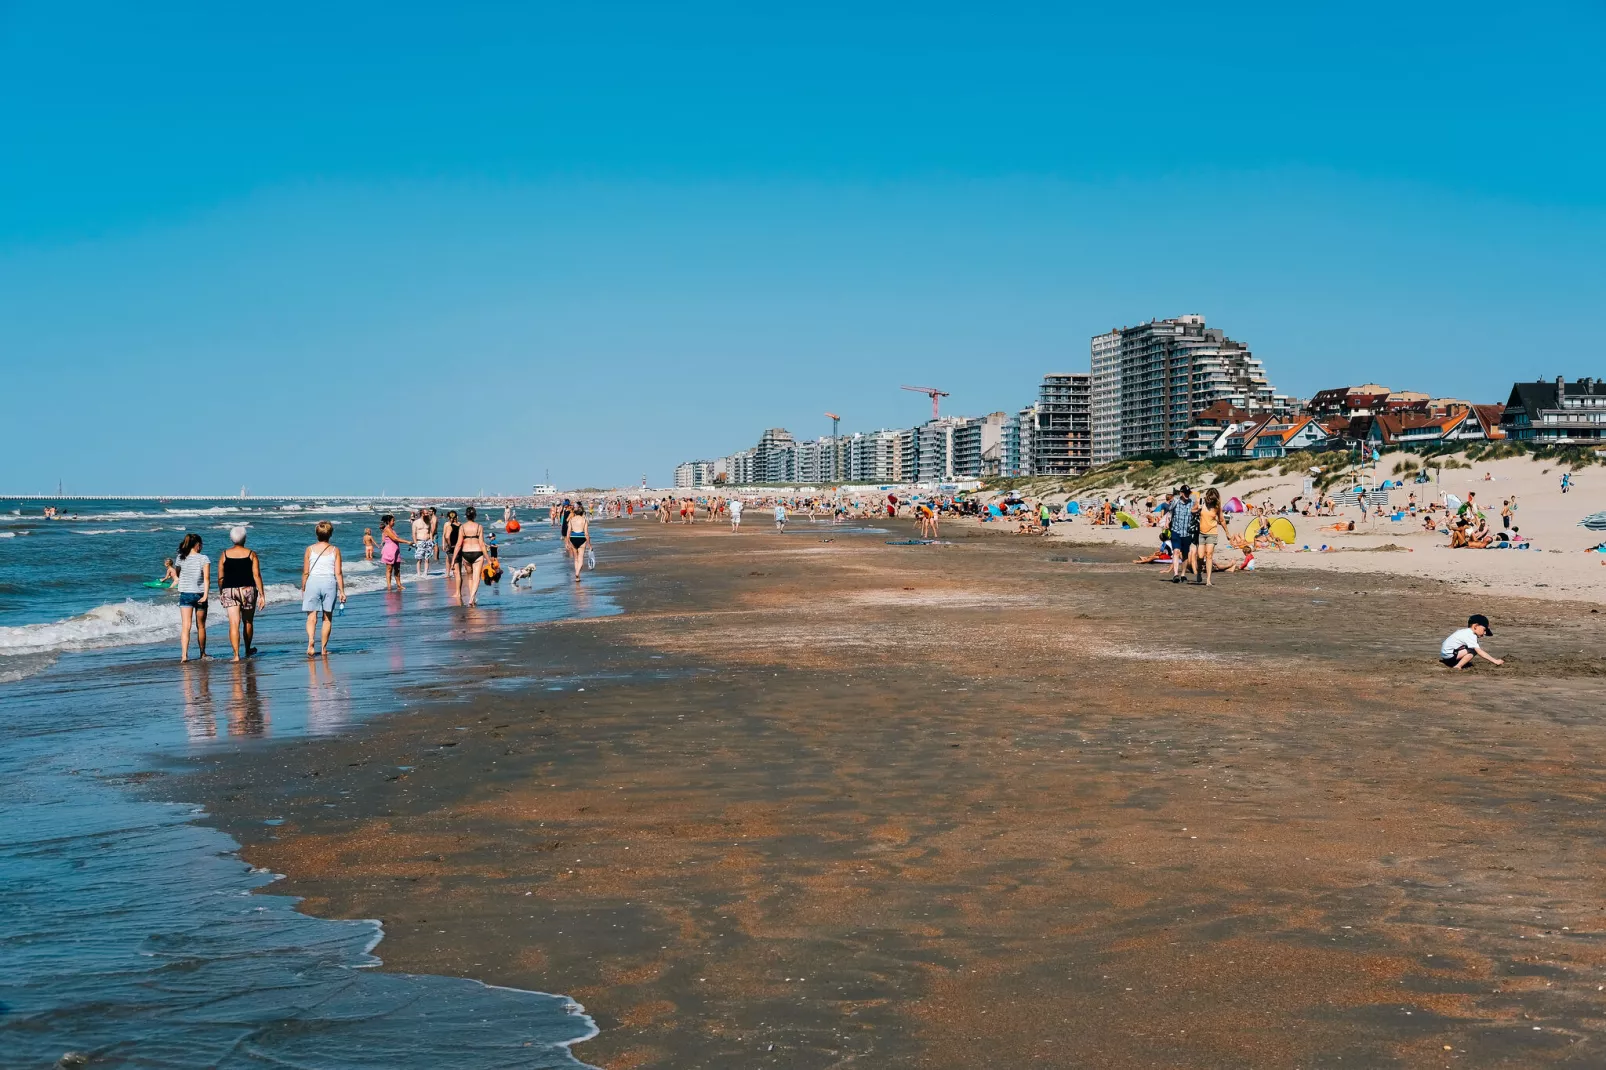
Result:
pixel 194 579
pixel 323 581
pixel 367 544
pixel 240 590
pixel 422 544
pixel 579 536
pixel 390 553
pixel 469 547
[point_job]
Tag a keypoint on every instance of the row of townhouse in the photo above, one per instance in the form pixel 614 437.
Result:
pixel 1371 416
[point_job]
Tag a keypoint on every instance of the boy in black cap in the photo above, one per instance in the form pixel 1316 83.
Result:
pixel 1456 652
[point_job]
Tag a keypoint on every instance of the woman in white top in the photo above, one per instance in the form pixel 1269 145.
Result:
pixel 194 578
pixel 323 583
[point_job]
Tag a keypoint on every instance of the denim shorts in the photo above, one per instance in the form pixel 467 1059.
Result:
pixel 319 595
pixel 190 599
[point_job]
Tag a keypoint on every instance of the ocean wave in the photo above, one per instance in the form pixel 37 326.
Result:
pixel 134 623
pixel 115 624
pixel 265 512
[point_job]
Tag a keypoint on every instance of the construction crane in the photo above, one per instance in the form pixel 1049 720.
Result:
pixel 932 392
pixel 835 464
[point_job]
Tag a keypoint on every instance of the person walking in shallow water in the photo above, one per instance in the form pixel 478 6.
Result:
pixel 579 537
pixel 467 550
pixel 194 579
pixel 323 583
pixel 239 589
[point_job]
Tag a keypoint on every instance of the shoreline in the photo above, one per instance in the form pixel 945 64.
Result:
pixel 830 799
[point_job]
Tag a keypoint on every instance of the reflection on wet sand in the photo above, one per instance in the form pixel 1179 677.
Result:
pixel 199 721
pixel 396 625
pixel 328 701
pixel 248 712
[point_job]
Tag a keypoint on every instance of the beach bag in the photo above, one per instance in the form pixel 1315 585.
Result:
pixel 591 557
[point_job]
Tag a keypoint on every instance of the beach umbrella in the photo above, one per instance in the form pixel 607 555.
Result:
pixel 1452 502
pixel 1594 522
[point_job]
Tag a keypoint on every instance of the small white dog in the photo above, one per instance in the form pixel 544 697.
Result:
pixel 524 573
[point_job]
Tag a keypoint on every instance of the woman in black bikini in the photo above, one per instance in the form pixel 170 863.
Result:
pixel 579 535
pixel 469 548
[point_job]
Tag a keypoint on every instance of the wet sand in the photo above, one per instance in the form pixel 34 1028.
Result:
pixel 813 803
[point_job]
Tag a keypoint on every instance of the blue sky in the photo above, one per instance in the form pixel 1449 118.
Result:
pixel 436 249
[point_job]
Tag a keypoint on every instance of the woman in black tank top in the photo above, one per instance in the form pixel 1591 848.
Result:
pixel 239 588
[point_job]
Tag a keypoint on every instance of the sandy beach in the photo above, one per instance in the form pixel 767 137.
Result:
pixel 816 800
pixel 1557 566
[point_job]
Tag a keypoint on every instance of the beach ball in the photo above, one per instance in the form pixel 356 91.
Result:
pixel 511 525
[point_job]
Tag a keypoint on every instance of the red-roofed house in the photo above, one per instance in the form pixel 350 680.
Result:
pixel 1269 436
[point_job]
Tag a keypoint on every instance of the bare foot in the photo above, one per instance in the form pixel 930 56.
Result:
pixel 309 651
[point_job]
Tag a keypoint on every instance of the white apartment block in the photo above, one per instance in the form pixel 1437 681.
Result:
pixel 876 457
pixel 816 461
pixel 1106 397
pixel 691 474
pixel 934 450
pixel 1024 441
pixel 979 446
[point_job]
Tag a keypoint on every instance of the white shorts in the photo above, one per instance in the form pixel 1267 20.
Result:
pixel 320 594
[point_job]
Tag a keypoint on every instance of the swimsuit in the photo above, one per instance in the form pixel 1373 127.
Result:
pixel 471 556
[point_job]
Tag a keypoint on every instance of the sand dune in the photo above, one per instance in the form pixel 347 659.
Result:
pixel 1557 565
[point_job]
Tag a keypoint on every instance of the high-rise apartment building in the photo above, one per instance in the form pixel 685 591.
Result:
pixel 979 446
pixel 935 449
pixel 1025 437
pixel 691 474
pixel 813 461
pixel 1150 380
pixel 775 457
pixel 875 457
pixel 1063 443
pixel 1106 397
pixel 909 454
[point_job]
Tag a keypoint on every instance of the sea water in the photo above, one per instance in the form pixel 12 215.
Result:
pixel 129 930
